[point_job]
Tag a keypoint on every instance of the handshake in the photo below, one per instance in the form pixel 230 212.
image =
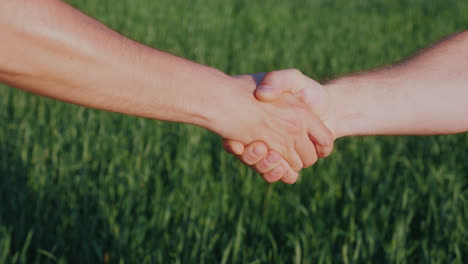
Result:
pixel 278 123
pixel 296 129
pixel 281 122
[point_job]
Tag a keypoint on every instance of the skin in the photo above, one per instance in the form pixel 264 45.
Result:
pixel 423 95
pixel 54 50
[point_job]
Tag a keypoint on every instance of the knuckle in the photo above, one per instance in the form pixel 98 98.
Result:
pixel 310 161
pixel 325 151
pixel 278 146
pixel 247 158
pixel 270 162
pixel 275 174
pixel 289 178
pixel 262 166
pixel 295 161
pixel 297 165
pixel 273 157
pixel 327 139
pixel 253 153
pixel 257 149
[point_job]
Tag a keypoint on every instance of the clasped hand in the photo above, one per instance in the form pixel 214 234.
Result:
pixel 300 119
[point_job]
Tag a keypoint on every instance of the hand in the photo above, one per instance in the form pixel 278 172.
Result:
pixel 272 86
pixel 286 125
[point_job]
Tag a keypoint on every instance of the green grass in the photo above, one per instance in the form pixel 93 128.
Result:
pixel 84 186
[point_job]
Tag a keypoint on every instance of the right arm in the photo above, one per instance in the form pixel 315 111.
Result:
pixel 423 95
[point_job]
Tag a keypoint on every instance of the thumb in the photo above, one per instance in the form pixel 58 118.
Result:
pixel 271 87
pixel 268 93
pixel 276 83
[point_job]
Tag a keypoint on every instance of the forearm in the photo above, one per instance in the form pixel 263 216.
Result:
pixel 424 95
pixel 54 50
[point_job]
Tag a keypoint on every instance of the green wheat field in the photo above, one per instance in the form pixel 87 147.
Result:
pixel 87 186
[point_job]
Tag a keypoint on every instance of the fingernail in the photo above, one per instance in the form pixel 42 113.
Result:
pixel 258 150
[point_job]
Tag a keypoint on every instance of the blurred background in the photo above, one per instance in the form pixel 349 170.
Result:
pixel 86 186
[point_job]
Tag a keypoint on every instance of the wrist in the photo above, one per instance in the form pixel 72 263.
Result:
pixel 231 102
pixel 344 116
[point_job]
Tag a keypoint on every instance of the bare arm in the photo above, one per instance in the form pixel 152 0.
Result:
pixel 424 95
pixel 52 49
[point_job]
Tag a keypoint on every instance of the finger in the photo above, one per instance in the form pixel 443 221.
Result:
pixel 279 172
pixel 233 147
pixel 275 174
pixel 271 161
pixel 289 170
pixel 277 82
pixel 294 160
pixel 290 177
pixel 306 150
pixel 321 136
pixel 254 152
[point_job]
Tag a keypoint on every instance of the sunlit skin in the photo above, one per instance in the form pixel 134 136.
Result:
pixel 289 122
pixel 423 95
pixel 52 49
